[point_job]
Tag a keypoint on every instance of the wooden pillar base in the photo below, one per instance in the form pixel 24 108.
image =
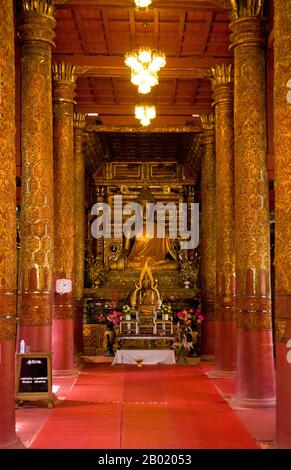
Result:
pixel 8 438
pixel 37 338
pixel 283 426
pixel 225 345
pixel 78 326
pixel 63 346
pixel 208 328
pixel 255 373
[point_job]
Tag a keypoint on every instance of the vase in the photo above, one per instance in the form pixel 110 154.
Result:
pixel 127 316
pixel 166 316
pixel 110 336
pixel 187 284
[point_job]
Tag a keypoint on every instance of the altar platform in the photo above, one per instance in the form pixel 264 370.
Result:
pixel 145 342
pixel 145 356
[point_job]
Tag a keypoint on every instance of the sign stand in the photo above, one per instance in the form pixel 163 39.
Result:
pixel 34 378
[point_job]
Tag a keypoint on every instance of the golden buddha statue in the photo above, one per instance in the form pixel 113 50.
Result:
pixel 151 250
pixel 146 295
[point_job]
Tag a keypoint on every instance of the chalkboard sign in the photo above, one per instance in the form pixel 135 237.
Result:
pixel 34 378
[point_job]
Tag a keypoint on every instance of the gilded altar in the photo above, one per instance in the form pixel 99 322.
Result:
pixel 114 260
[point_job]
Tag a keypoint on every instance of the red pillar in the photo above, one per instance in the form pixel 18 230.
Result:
pixel 282 141
pixel 255 383
pixel 35 26
pixel 8 438
pixel 79 254
pixel 208 238
pixel 225 324
pixel 64 308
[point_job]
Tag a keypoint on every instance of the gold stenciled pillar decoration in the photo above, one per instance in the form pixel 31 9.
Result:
pixel 79 126
pixel 8 437
pixel 36 24
pixel 282 141
pixel 208 236
pixel 225 328
pixel 64 181
pixel 255 365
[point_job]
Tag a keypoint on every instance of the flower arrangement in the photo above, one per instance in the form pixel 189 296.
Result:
pixel 126 309
pixel 188 332
pixel 166 309
pixel 112 317
pixel 190 316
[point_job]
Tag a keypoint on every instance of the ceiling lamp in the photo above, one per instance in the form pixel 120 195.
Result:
pixel 142 3
pixel 145 113
pixel 145 64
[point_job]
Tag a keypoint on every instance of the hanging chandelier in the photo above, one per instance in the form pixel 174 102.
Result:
pixel 145 64
pixel 142 3
pixel 145 113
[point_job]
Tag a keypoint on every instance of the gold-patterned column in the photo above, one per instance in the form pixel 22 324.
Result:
pixel 36 24
pixel 64 181
pixel 208 237
pixel 7 228
pixel 79 125
pixel 225 328
pixel 255 368
pixel 282 128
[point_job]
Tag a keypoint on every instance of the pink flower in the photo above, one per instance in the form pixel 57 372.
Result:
pixel 180 314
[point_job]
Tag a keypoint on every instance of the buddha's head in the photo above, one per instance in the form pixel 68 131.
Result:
pixel 145 197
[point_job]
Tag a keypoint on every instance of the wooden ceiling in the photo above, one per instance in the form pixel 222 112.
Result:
pixel 95 35
pixel 173 146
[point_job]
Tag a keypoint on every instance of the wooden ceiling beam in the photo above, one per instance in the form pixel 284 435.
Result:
pixel 181 33
pixel 144 130
pixel 160 4
pixel 132 29
pixel 93 91
pixel 115 91
pixel 156 29
pixel 106 29
pixel 78 22
pixel 159 121
pixel 174 93
pixel 127 110
pixel 113 66
pixel 206 33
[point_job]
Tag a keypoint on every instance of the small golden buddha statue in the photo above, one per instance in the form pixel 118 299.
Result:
pixel 146 295
pixel 152 250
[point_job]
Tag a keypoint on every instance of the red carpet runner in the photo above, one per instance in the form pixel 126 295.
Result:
pixel 154 407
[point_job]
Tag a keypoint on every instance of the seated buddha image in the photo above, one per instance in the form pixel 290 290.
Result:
pixel 146 295
pixel 143 249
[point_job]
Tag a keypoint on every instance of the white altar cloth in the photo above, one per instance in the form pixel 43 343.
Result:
pixel 149 356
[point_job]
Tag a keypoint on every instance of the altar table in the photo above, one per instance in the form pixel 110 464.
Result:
pixel 153 356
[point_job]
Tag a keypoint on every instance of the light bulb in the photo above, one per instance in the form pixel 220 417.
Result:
pixel 143 3
pixel 150 112
pixel 139 112
pixel 131 61
pixel 157 63
pixel 135 79
pixel 152 80
pixel 144 88
pixel 138 67
pixel 145 56
pixel 145 121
